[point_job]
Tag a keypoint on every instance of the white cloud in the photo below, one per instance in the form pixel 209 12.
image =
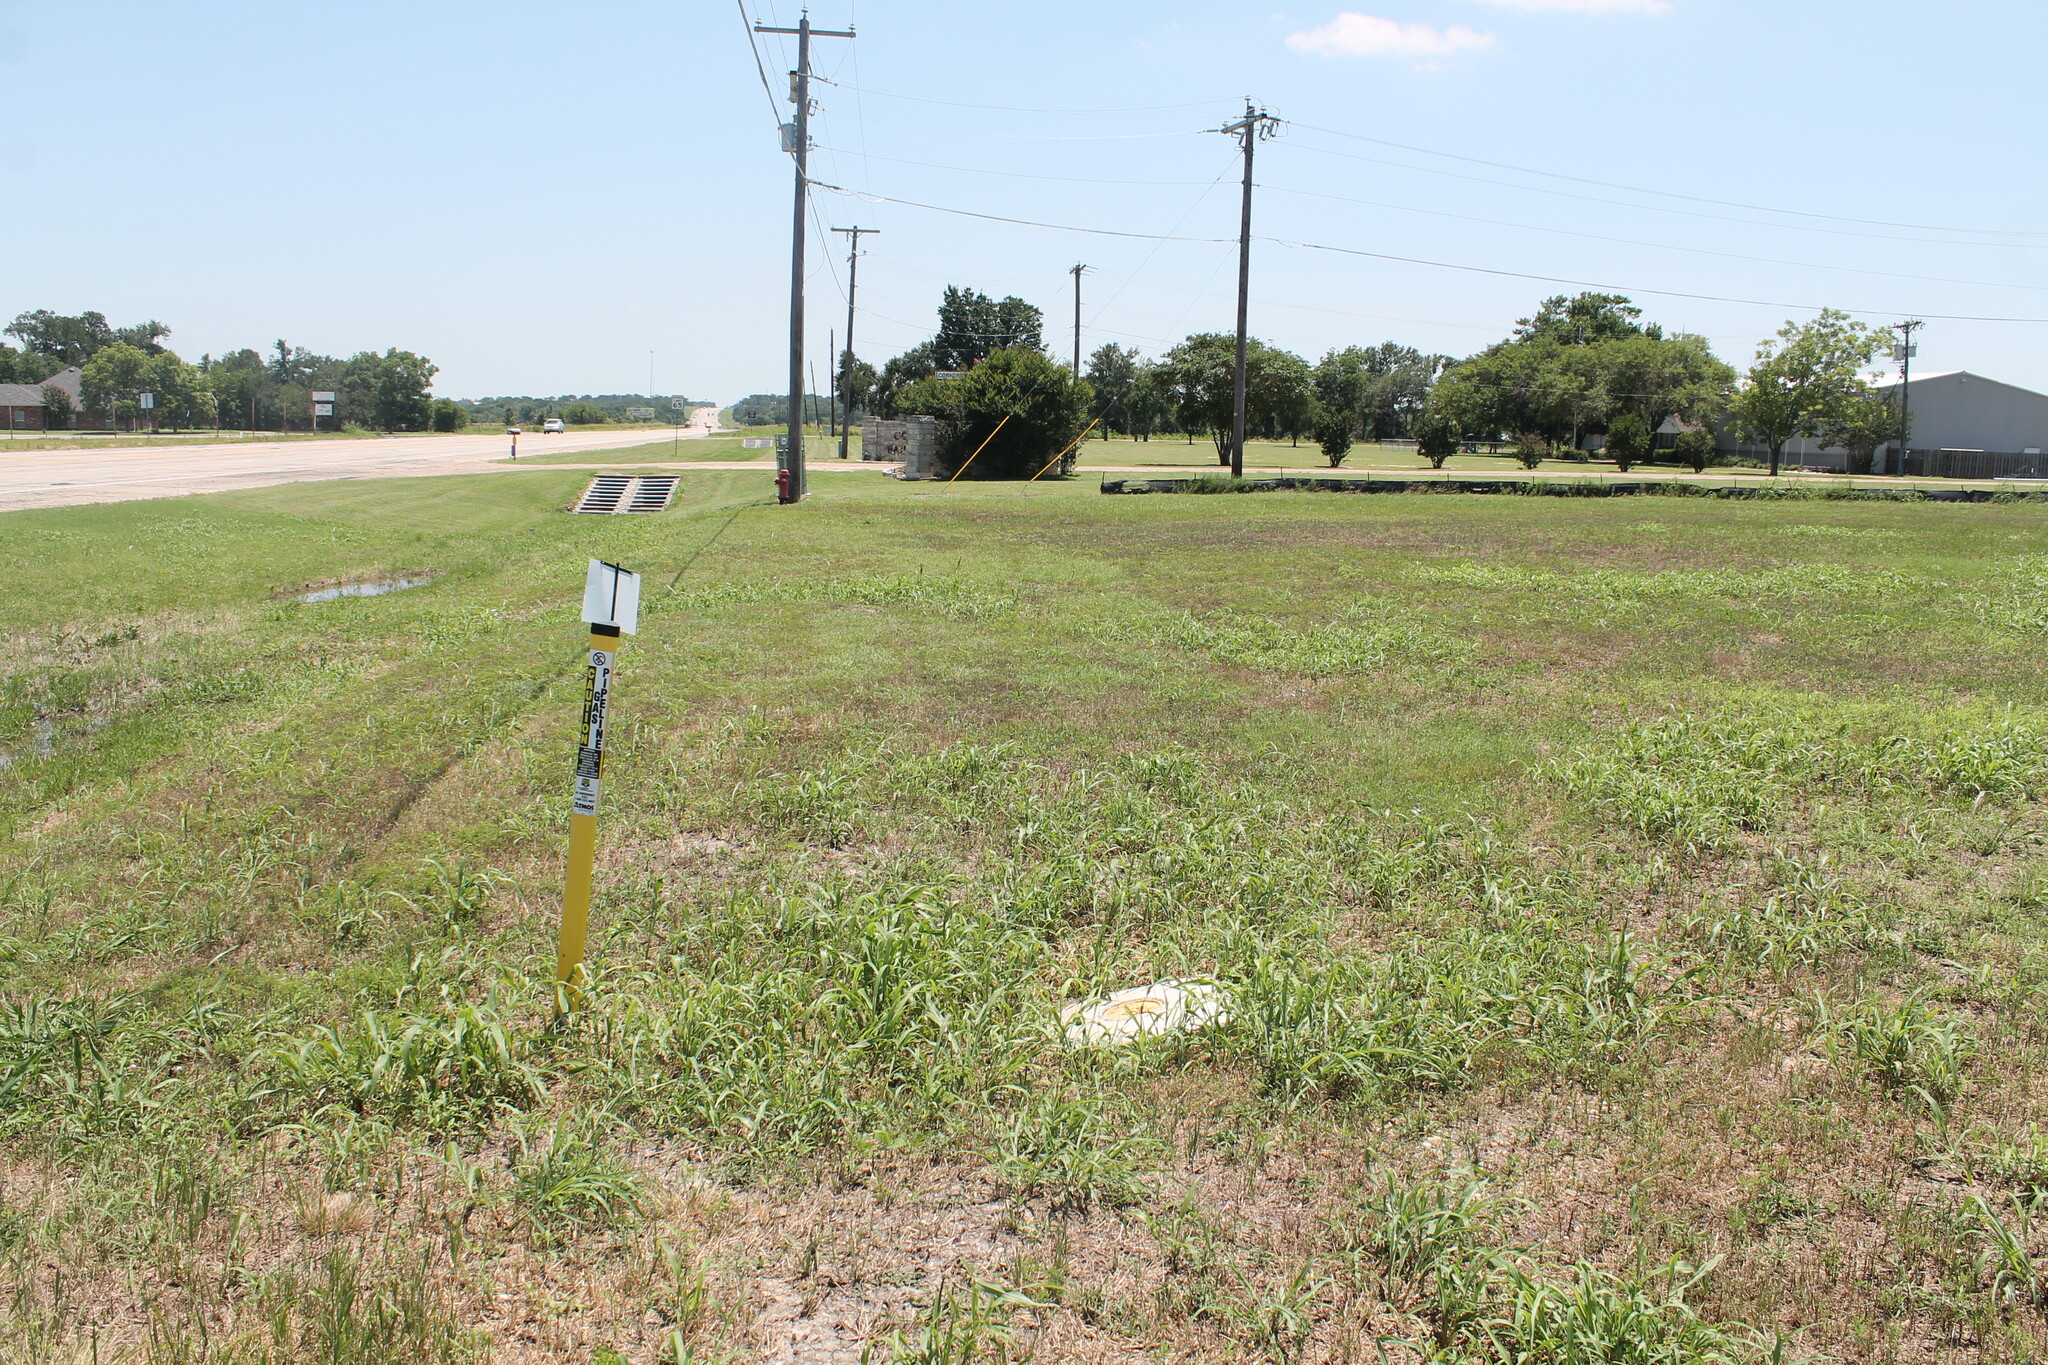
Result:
pixel 1588 6
pixel 1367 35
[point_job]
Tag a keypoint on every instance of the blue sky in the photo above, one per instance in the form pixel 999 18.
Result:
pixel 537 196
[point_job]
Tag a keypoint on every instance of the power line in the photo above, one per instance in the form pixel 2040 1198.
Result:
pixel 1415 260
pixel 1022 222
pixel 1644 208
pixel 1666 194
pixel 1629 289
pixel 1655 246
pixel 1042 137
pixel 1018 175
pixel 1018 109
pixel 767 89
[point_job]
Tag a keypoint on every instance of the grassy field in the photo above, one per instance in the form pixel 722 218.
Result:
pixel 680 451
pixel 1633 916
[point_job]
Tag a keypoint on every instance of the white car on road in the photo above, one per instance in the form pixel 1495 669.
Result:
pixel 551 427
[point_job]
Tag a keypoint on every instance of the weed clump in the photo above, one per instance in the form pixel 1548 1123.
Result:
pixel 442 1071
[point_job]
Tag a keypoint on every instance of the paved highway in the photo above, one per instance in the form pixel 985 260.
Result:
pixel 60 478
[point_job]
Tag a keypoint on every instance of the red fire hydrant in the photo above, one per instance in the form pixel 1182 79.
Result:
pixel 782 485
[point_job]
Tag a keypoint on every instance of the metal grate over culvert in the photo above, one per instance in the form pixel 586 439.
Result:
pixel 619 493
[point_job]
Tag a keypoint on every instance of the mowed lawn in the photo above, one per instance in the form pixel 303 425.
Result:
pixel 1630 914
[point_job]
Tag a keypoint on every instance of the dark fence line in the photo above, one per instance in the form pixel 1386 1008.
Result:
pixel 1975 464
pixel 1566 488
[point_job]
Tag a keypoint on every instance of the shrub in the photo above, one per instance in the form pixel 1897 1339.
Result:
pixel 584 415
pixel 1532 448
pixel 1333 434
pixel 1695 448
pixel 449 415
pixel 1015 415
pixel 1628 440
pixel 1437 437
pixel 1220 483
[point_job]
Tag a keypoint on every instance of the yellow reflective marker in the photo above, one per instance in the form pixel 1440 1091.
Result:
pixel 611 607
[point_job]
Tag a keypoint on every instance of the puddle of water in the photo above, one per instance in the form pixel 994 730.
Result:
pixel 41 744
pixel 374 588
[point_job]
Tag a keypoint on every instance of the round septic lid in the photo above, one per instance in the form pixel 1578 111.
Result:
pixel 1145 1011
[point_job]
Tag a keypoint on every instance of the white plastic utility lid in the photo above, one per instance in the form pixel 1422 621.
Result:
pixel 1146 1012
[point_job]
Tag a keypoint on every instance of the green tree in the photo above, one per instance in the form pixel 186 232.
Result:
pixel 1859 421
pixel 57 408
pixel 583 414
pixel 111 379
pixel 1200 373
pixel 75 340
pixel 449 415
pixel 1804 378
pixel 294 364
pixel 1020 410
pixel 1438 434
pixel 900 372
pixel 390 391
pixel 72 340
pixel 863 377
pixel 1576 364
pixel 1113 374
pixel 1628 440
pixel 972 326
pixel 1659 377
pixel 26 367
pixel 1584 320
pixel 1383 387
pixel 1333 436
pixel 183 397
pixel 1150 403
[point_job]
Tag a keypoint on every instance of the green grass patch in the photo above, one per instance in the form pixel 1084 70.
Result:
pixel 1629 917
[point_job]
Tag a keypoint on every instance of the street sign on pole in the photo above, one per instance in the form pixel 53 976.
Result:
pixel 145 400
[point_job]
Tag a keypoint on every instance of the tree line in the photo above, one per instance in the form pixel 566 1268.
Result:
pixel 244 389
pixel 1582 372
pixel 587 409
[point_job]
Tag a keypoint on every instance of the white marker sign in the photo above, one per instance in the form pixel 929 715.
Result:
pixel 611 597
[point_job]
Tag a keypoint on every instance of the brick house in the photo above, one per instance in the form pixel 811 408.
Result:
pixel 22 407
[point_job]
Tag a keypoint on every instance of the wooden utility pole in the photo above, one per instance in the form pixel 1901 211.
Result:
pixel 796 140
pixel 1077 272
pixel 1255 126
pixel 852 274
pixel 1906 348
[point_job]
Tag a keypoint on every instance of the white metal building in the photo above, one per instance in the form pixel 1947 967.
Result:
pixel 1964 425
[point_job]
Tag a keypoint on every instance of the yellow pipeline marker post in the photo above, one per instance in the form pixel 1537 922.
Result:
pixel 611 607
